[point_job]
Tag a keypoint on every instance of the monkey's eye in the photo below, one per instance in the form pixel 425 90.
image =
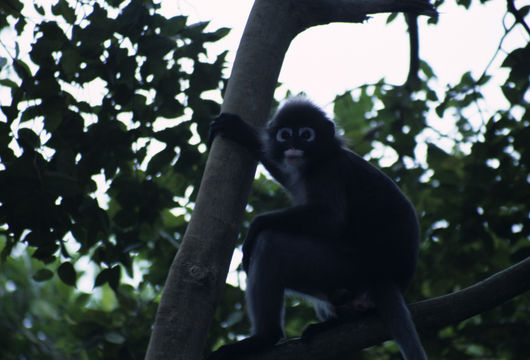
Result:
pixel 283 134
pixel 307 134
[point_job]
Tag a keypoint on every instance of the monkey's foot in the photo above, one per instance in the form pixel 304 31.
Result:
pixel 241 349
pixel 346 315
pixel 313 329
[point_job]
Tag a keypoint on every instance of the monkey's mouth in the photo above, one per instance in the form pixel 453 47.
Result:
pixel 294 156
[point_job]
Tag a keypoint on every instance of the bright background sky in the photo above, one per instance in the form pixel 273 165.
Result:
pixel 328 60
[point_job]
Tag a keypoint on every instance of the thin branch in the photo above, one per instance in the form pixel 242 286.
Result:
pixel 319 12
pixel 518 17
pixel 414 64
pixel 428 314
pixel 497 51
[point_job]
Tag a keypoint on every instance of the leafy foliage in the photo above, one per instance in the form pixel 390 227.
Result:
pixel 98 161
pixel 101 149
pixel 52 320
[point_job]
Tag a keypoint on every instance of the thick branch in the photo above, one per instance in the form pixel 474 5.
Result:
pixel 414 51
pixel 319 12
pixel 428 314
pixel 198 272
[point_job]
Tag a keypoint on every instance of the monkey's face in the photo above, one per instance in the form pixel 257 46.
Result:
pixel 294 143
pixel 300 134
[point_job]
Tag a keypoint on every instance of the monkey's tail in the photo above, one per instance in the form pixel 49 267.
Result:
pixel 395 313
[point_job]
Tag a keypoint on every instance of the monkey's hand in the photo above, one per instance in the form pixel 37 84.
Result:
pixel 314 329
pixel 257 225
pixel 243 348
pixel 344 314
pixel 232 127
pixel 221 125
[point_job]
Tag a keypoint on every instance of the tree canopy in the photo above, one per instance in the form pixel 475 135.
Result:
pixel 103 125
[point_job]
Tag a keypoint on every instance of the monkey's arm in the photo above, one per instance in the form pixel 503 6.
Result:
pixel 309 220
pixel 232 127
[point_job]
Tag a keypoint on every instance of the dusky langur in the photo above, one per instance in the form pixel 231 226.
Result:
pixel 349 240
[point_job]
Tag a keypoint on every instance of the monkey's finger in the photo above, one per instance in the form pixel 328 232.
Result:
pixel 212 133
pixel 216 127
pixel 219 124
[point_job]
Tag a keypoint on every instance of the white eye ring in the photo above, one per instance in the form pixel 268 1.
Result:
pixel 306 133
pixel 283 134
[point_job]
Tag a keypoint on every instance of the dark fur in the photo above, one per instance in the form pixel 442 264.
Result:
pixel 350 240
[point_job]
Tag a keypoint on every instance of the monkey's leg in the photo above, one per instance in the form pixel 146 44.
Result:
pixel 279 261
pixel 264 301
pixel 304 264
pixel 344 314
pixel 265 288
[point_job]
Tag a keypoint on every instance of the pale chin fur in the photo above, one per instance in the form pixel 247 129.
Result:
pixel 294 157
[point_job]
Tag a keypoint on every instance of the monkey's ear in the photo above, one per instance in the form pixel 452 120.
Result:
pixel 329 128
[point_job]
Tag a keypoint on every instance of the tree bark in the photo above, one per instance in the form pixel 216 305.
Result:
pixel 197 274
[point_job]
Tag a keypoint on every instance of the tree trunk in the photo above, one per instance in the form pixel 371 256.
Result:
pixel 197 274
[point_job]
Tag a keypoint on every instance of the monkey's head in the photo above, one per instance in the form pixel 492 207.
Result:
pixel 300 133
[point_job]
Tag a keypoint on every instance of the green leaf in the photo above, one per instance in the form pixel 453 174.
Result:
pixel 31 113
pixel 391 17
pixel 53 37
pixel 27 139
pixel 464 3
pixel 173 25
pixel 155 45
pixel 8 83
pixel 22 69
pixel 484 79
pixel 196 30
pixel 42 275
pixel 12 7
pixel 70 60
pixel 160 161
pixel 67 273
pixel 62 9
pixel 426 69
pixel 20 25
pixel 115 338
pixel 11 112
pixel 114 277
pixel 109 276
pixel 39 9
pixel 467 79
pixel 217 35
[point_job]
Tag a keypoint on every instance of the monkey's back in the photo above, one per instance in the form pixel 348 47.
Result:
pixel 382 223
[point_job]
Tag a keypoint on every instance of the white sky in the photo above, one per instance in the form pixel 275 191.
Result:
pixel 327 60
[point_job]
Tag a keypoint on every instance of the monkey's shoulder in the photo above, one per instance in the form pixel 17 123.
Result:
pixel 366 183
pixel 356 166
